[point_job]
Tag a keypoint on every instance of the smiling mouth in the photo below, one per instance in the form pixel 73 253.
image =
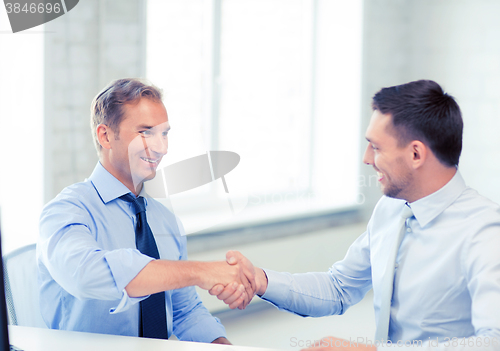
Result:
pixel 150 160
pixel 380 176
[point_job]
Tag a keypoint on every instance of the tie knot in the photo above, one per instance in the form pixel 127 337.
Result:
pixel 138 202
pixel 406 212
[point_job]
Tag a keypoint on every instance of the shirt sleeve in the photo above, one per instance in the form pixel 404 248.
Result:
pixel 481 264
pixel 327 293
pixel 126 302
pixel 191 319
pixel 70 253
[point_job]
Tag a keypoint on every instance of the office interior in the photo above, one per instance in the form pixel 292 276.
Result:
pixel 285 84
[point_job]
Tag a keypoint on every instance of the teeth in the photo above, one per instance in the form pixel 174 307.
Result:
pixel 149 160
pixel 380 175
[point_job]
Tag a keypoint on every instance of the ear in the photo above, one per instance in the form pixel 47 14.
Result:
pixel 104 135
pixel 419 153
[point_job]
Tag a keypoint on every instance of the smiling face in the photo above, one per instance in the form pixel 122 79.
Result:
pixel 389 160
pixel 135 150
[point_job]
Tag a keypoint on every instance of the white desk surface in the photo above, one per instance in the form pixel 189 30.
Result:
pixel 37 339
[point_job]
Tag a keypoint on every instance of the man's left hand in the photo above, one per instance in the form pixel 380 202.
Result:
pixel 221 340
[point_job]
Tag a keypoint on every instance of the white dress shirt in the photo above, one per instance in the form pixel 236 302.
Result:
pixel 447 276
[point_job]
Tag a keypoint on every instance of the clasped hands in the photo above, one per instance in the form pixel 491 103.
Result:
pixel 245 281
pixel 237 281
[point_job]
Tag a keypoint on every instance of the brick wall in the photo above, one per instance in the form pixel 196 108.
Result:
pixel 98 41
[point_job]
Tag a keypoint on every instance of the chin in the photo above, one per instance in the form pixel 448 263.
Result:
pixel 392 192
pixel 144 177
pixel 394 195
pixel 149 176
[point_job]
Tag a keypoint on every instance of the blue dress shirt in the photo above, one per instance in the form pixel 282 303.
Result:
pixel 447 276
pixel 86 257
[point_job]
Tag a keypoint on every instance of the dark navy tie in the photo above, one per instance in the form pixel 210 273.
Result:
pixel 153 317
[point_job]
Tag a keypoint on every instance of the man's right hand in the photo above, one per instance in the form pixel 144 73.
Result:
pixel 231 276
pixel 221 272
pixel 229 294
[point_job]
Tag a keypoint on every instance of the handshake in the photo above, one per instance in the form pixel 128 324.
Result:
pixel 235 281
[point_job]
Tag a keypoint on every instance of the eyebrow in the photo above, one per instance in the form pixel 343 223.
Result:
pixel 371 141
pixel 145 126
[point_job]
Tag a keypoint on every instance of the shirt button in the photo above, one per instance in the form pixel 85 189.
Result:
pixel 408 230
pixel 396 265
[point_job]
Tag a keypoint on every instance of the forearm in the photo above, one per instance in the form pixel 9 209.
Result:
pixel 309 294
pixel 162 275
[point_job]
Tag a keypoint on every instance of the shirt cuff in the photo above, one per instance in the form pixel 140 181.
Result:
pixel 209 331
pixel 125 264
pixel 126 302
pixel 278 287
pixel 205 329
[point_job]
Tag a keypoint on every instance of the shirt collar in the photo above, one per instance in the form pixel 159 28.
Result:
pixel 431 206
pixel 107 186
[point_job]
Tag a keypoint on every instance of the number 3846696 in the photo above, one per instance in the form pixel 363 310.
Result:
pixel 33 7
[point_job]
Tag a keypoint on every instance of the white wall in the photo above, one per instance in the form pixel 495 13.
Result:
pixel 455 43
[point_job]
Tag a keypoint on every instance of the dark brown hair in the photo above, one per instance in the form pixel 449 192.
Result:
pixel 422 111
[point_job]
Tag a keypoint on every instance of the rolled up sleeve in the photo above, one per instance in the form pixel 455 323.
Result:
pixel 75 261
pixel 192 321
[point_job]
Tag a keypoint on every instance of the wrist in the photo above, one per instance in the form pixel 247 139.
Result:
pixel 208 274
pixel 200 273
pixel 261 278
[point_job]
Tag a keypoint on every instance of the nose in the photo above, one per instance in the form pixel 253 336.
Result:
pixel 368 156
pixel 158 144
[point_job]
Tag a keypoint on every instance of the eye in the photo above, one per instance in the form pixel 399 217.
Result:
pixel 146 132
pixel 164 134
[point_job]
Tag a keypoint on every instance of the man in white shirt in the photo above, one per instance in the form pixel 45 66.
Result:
pixel 443 285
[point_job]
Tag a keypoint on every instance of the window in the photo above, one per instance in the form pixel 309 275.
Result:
pixel 21 123
pixel 276 81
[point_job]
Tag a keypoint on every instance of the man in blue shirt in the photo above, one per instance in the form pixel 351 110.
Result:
pixel 445 277
pixel 92 275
